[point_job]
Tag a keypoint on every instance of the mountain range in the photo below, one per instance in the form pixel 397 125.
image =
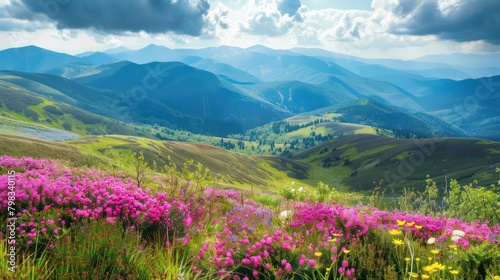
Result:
pixel 225 90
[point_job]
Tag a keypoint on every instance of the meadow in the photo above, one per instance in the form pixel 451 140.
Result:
pixel 130 222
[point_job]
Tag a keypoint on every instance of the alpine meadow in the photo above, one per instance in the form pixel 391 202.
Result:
pixel 260 139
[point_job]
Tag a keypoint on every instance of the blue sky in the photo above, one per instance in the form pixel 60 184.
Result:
pixel 369 28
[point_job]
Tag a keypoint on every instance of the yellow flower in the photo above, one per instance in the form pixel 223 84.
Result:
pixel 398 241
pixel 425 276
pixel 434 267
pixel 407 259
pixel 496 277
pixel 453 246
pixel 332 240
pixel 435 252
pixel 429 268
pixel 401 223
pixel 454 272
pixel 395 232
pixel 417 259
pixel 328 269
pixel 410 224
pixel 318 254
pixel 414 275
pixel 336 234
pixel 347 251
pixel 418 227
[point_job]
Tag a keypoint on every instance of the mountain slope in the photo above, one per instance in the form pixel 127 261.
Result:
pixel 402 123
pixel 34 59
pixel 220 108
pixel 357 161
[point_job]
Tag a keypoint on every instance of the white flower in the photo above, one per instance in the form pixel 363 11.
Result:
pixel 301 189
pixel 283 216
pixel 458 233
pixel 455 238
pixel 431 240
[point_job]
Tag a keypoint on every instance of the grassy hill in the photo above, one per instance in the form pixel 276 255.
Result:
pixel 20 100
pixel 356 161
pixel 266 173
pixel 349 163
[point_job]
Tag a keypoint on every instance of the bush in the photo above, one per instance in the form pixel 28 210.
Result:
pixel 53 110
pixel 67 126
pixel 31 114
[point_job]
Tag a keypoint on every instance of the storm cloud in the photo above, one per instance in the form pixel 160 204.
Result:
pixel 118 16
pixel 461 21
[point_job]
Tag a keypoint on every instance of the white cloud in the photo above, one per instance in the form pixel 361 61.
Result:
pixel 265 18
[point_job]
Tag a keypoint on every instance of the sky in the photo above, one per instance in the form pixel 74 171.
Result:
pixel 403 29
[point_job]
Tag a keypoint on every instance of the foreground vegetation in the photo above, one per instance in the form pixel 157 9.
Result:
pixel 131 223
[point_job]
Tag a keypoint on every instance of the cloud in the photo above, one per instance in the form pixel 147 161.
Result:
pixel 289 7
pixel 270 18
pixel 461 21
pixel 216 21
pixel 118 16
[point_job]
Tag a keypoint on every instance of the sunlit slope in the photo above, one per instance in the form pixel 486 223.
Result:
pixel 354 162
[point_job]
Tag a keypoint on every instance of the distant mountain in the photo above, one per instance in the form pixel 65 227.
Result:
pixel 464 60
pixel 155 53
pixel 117 50
pixel 99 58
pixel 456 66
pixel 34 59
pixel 219 107
pixel 223 70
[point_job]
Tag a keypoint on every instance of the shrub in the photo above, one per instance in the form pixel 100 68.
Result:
pixel 53 110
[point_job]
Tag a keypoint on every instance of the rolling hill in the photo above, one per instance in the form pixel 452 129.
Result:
pixel 357 161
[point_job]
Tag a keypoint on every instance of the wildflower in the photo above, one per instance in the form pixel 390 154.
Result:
pixel 318 254
pixel 453 246
pixel 311 263
pixel 434 252
pixel 283 216
pixel 347 251
pixel 418 227
pixel 398 242
pixel 350 272
pixel 410 224
pixel 496 277
pixel 458 233
pixel 288 268
pixel 431 240
pixel 395 232
pixel 407 259
pixel 417 259
pixel 414 275
pixel 345 264
pixel 401 223
pixel 328 269
pixel 332 240
pixel 454 272
pixel 425 276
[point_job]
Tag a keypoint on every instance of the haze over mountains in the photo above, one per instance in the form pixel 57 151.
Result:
pixel 224 90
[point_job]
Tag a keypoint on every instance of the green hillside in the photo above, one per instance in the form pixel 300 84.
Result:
pixel 348 163
pixel 354 162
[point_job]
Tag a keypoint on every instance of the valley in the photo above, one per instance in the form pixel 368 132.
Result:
pixel 257 116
